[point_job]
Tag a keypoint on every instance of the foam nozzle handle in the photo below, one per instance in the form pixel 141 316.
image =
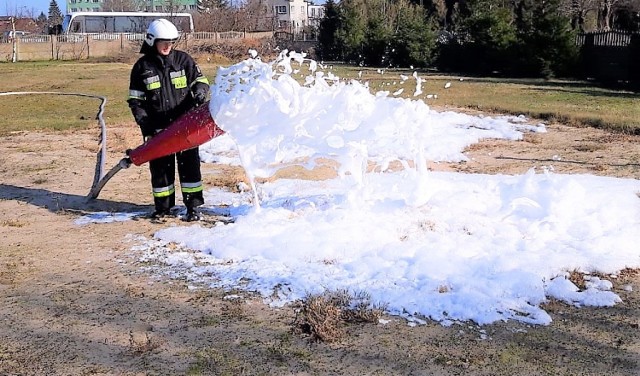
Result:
pixel 125 162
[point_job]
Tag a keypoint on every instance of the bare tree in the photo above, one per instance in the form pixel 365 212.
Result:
pixel 578 11
pixel 122 5
pixel 258 15
pixel 608 10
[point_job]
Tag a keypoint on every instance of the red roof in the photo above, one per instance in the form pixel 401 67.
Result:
pixel 22 24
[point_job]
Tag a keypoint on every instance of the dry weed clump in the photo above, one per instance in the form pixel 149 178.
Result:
pixel 232 50
pixel 324 316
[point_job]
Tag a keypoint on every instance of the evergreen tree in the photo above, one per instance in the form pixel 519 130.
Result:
pixel 374 48
pixel 55 16
pixel 42 19
pixel 413 41
pixel 546 42
pixel 491 34
pixel 351 34
pixel 328 48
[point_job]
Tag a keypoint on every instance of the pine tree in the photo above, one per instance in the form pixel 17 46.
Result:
pixel 55 16
pixel 42 19
pixel 328 47
pixel 413 40
pixel 492 36
pixel 351 34
pixel 547 46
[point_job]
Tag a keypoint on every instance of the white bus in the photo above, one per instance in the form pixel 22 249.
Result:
pixel 121 22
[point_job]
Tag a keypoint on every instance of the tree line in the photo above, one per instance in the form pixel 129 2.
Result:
pixel 533 38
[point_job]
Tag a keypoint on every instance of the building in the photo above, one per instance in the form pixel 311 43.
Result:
pixel 148 6
pixel 22 24
pixel 297 15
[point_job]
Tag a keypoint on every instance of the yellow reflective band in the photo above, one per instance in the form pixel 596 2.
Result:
pixel 202 79
pixel 153 85
pixel 136 94
pixel 179 82
pixel 164 191
pixel 191 190
pixel 191 187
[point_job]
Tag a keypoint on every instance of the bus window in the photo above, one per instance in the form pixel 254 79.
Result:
pixel 121 22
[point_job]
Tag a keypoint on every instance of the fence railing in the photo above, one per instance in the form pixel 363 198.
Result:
pixel 610 56
pixel 82 46
pixel 613 38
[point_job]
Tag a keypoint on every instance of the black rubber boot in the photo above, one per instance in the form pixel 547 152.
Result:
pixel 160 213
pixel 192 215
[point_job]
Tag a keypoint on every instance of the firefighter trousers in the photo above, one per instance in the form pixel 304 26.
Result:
pixel 163 179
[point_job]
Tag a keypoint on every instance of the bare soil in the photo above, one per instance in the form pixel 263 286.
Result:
pixel 74 301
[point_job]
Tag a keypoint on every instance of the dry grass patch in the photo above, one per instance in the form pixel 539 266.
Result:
pixel 324 316
pixel 210 361
pixel 13 223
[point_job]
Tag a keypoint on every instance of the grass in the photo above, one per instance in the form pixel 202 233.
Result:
pixel 576 103
pixel 571 102
pixel 63 112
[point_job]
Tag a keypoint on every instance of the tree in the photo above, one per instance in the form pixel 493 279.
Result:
pixel 350 36
pixel 492 35
pixel 328 47
pixel 55 18
pixel 377 33
pixel 546 42
pixel 454 9
pixel 610 12
pixel 122 5
pixel 412 42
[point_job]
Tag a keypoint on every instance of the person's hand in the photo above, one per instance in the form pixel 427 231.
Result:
pixel 147 129
pixel 200 97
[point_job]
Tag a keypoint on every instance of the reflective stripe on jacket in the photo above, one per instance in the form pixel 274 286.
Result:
pixel 160 86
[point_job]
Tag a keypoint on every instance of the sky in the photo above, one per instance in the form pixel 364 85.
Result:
pixel 28 7
pixel 12 7
pixel 429 246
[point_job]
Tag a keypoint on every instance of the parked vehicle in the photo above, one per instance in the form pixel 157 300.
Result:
pixel 121 22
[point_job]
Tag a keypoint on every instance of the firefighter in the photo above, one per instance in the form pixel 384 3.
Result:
pixel 165 83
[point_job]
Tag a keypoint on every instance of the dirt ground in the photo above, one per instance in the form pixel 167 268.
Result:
pixel 74 300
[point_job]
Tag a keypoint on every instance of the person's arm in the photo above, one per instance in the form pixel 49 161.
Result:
pixel 136 100
pixel 199 84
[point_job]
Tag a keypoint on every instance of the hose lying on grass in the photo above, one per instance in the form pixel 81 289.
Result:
pixel 102 153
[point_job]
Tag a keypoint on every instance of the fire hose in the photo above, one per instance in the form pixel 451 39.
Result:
pixel 190 130
pixel 102 152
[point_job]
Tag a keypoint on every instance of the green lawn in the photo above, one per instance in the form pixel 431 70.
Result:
pixel 574 103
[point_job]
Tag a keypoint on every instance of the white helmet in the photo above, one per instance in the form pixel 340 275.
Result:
pixel 161 29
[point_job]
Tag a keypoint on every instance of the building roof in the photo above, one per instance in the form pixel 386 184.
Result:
pixel 22 24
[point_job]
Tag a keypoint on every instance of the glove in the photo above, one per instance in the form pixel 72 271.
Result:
pixel 147 129
pixel 200 97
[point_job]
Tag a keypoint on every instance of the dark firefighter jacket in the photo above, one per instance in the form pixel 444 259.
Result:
pixel 163 87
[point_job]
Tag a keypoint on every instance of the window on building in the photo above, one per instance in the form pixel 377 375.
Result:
pixel 281 9
pixel 158 8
